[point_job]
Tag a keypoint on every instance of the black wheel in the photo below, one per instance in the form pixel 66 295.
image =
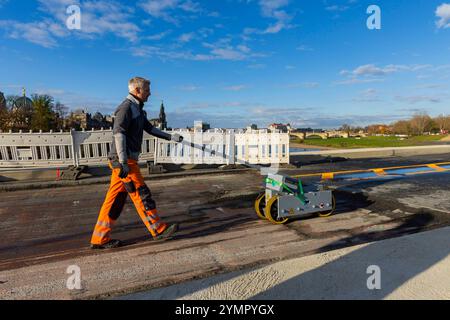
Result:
pixel 260 205
pixel 329 213
pixel 271 211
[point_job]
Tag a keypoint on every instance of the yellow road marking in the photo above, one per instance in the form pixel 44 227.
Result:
pixel 328 176
pixel 331 175
pixel 379 172
pixel 436 167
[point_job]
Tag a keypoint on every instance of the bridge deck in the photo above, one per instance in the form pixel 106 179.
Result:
pixel 45 231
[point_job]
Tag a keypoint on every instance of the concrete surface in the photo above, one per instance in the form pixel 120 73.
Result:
pixel 411 267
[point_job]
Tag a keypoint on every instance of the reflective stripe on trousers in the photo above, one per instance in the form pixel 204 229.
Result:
pixel 105 221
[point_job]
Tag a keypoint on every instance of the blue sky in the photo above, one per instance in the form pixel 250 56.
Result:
pixel 313 63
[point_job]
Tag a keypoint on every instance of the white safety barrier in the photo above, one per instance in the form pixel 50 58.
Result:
pixel 225 147
pixel 56 149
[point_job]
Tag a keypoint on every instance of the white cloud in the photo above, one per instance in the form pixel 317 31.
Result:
pixel 443 12
pixel 190 87
pixel 256 66
pixel 235 87
pixel 158 36
pixel 190 6
pixel 308 85
pixel 371 70
pixel 97 19
pixel 358 81
pixel 217 51
pixel 372 73
pixel 369 95
pixel 335 8
pixel 228 53
pixel 186 37
pixel 165 9
pixel 273 9
pixel 35 32
pixel 304 48
pixel 419 98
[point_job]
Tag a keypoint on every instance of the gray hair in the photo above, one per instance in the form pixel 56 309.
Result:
pixel 137 82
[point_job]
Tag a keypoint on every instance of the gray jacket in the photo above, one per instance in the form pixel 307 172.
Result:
pixel 129 123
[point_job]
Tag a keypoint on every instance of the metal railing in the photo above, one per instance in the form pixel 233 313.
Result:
pixel 57 149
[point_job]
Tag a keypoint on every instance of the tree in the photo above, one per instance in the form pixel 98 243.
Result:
pixel 98 117
pixel 345 128
pixel 4 116
pixel 421 123
pixel 43 115
pixel 61 112
pixel 378 129
pixel 442 122
pixel 2 101
pixel 402 127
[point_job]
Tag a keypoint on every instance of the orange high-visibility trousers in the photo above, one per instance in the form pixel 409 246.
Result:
pixel 119 189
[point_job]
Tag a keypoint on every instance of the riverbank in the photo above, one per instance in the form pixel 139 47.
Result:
pixel 297 145
pixel 371 142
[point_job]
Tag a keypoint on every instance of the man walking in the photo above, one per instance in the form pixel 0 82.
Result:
pixel 129 123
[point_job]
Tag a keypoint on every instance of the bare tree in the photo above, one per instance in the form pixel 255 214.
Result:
pixel 443 122
pixel 402 127
pixel 61 112
pixel 3 113
pixel 345 128
pixel 421 123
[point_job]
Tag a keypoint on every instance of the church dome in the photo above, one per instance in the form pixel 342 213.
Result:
pixel 23 103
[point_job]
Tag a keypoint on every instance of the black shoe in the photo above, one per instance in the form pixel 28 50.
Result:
pixel 109 245
pixel 168 233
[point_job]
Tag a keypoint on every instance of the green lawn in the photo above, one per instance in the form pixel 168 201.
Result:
pixel 371 142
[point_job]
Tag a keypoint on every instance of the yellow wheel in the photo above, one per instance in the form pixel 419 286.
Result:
pixel 329 213
pixel 272 211
pixel 260 205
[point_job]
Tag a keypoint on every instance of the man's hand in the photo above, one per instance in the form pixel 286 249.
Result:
pixel 124 170
pixel 177 138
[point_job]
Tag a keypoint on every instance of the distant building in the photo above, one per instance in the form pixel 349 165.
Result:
pixel 21 112
pixel 280 127
pixel 161 122
pixel 23 103
pixel 80 119
pixel 305 130
pixel 109 119
pixel 199 126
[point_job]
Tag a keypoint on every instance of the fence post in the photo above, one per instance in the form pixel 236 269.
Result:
pixel 156 151
pixel 231 148
pixel 288 151
pixel 72 145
